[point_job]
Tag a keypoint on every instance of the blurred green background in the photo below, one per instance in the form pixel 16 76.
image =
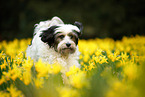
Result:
pixel 100 18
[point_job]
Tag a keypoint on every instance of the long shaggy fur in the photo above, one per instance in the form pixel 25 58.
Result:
pixel 40 49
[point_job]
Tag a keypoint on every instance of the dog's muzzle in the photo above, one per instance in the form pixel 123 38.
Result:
pixel 67 49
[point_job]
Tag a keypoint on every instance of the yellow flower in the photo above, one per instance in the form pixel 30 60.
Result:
pixel 26 77
pixel 7 75
pixel 114 56
pixel 20 55
pixel 42 69
pixel 86 57
pixel 82 63
pixel 56 68
pixel 39 82
pixel 27 64
pixel 85 68
pixel 100 59
pixel 15 72
pixel 81 56
pixel 124 56
pixel 98 52
pixel 91 65
pixel 73 70
pixel 14 92
pixel 79 80
pixel 121 63
pixel 130 70
pixel 103 59
pixel 119 45
pixel 131 58
pixel 2 80
pixel 3 66
pixel 2 55
pixel 19 58
pixel 4 94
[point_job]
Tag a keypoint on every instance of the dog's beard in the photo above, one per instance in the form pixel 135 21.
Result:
pixel 64 50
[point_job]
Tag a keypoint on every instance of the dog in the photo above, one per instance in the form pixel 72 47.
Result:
pixel 56 42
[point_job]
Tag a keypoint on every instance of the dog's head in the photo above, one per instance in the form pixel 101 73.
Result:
pixel 63 37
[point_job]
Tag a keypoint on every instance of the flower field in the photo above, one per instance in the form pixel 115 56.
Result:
pixel 108 69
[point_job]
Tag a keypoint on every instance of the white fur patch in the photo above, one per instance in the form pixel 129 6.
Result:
pixel 39 49
pixel 67 28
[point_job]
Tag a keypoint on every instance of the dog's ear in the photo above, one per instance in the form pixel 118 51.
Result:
pixel 80 26
pixel 47 36
pixel 56 20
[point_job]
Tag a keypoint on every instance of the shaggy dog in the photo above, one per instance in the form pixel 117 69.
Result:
pixel 56 42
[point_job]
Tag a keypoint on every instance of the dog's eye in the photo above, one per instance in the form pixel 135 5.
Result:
pixel 71 36
pixel 61 36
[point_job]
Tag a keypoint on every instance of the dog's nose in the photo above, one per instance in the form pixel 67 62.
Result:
pixel 68 44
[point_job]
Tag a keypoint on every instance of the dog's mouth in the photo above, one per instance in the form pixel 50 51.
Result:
pixel 69 50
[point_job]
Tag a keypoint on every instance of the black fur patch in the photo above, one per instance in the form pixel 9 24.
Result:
pixel 48 35
pixel 76 36
pixel 76 41
pixel 78 33
pixel 80 26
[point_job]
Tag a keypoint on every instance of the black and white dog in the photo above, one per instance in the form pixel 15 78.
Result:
pixel 54 41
